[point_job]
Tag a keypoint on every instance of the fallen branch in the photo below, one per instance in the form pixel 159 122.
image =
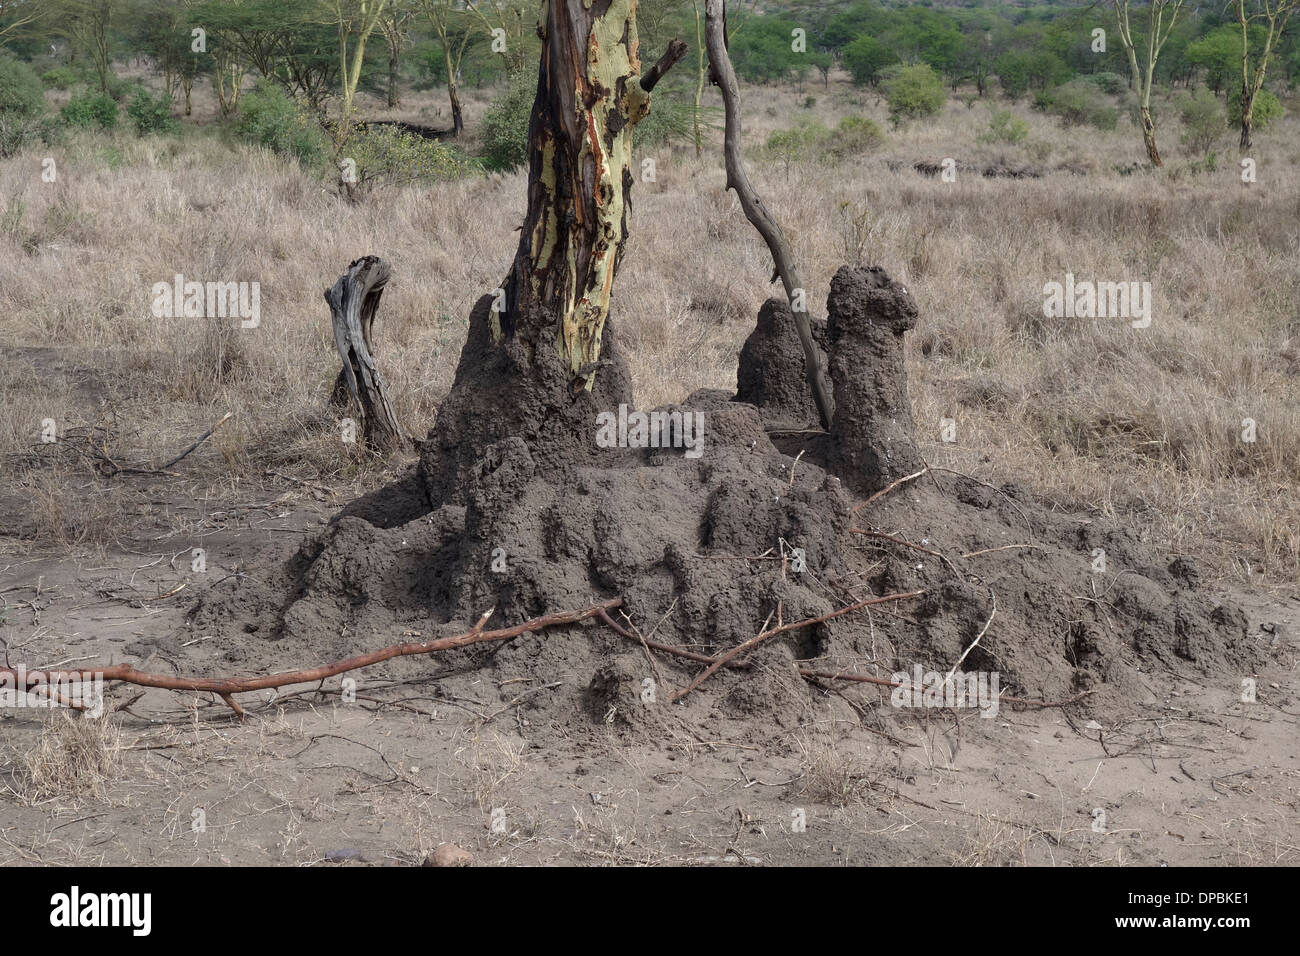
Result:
pixel 111 469
pixel 765 634
pixel 226 686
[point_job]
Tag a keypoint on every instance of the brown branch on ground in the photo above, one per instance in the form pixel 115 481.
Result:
pixel 765 634
pixel 226 686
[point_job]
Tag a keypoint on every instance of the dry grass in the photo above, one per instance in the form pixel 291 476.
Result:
pixel 1142 425
pixel 71 761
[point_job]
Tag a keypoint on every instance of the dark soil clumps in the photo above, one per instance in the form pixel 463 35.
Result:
pixel 516 506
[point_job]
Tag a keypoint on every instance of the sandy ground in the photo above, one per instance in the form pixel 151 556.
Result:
pixel 1192 776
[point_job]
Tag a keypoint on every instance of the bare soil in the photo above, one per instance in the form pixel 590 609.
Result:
pixel 550 748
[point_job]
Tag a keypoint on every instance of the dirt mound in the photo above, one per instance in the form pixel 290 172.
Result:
pixel 533 498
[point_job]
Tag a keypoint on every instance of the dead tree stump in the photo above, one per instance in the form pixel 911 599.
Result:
pixel 872 428
pixel 353 301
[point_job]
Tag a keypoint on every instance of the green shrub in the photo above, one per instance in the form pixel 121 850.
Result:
pixel 797 144
pixel 854 136
pixel 21 93
pixel 387 156
pixel 1202 117
pixel 1020 72
pixel 271 118
pixel 60 78
pixel 90 109
pixel 1263 111
pixel 505 124
pixel 1112 84
pixel 810 140
pixel 1005 127
pixel 151 113
pixel 865 58
pixel 912 91
pixel 1078 103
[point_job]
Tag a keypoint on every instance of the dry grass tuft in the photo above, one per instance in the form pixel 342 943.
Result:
pixel 71 761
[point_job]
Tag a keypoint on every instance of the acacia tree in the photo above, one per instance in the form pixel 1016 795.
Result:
pixel 453 30
pixel 505 21
pixel 88 24
pixel 355 21
pixel 395 25
pixel 1158 21
pixel 18 15
pixel 1274 14
pixel 590 94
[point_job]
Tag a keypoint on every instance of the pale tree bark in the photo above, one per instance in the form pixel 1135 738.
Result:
pixel 1161 15
pixel 590 95
pixel 1275 14
pixel 355 20
pixel 725 78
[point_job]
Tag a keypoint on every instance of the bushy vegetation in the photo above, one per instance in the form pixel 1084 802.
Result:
pixel 88 109
pixel 1005 128
pixel 1202 116
pixel 912 91
pixel 151 113
pixel 271 118
pixel 504 129
pixel 388 156
pixel 1079 103
pixel 1263 111
pixel 811 140
pixel 865 58
pixel 21 93
pixel 61 78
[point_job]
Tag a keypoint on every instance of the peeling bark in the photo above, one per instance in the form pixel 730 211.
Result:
pixel 590 95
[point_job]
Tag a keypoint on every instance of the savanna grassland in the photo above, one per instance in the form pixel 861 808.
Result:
pixel 1141 428
pixel 1141 424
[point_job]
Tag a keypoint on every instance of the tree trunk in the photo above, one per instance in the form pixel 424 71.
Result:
pixel 1149 136
pixel 590 94
pixel 353 302
pixel 457 116
pixel 1247 115
pixel 392 79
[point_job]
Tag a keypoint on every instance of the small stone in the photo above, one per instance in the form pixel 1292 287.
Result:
pixel 448 854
